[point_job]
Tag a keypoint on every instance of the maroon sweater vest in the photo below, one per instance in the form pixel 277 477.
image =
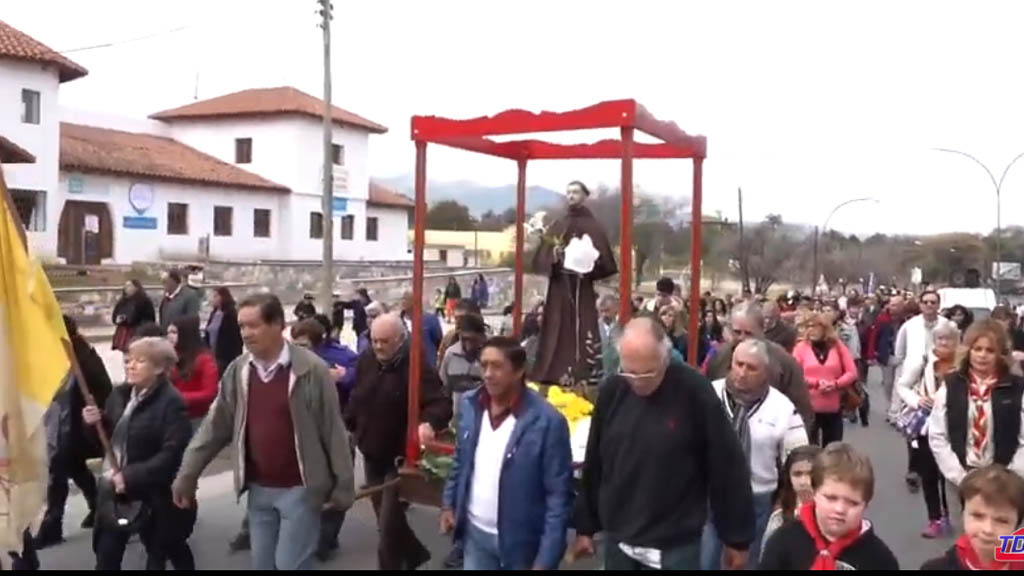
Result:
pixel 270 455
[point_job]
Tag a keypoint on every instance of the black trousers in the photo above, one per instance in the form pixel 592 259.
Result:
pixel 62 469
pixel 109 546
pixel 933 485
pixel 399 548
pixel 164 535
pixel 828 428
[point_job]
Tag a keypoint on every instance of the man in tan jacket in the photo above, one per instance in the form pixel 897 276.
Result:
pixel 278 407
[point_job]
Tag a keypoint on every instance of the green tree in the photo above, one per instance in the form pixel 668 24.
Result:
pixel 491 222
pixel 450 215
pixel 508 217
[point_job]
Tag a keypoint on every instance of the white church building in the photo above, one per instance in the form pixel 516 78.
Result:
pixel 236 177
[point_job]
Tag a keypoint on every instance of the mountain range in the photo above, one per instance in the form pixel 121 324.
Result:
pixel 479 198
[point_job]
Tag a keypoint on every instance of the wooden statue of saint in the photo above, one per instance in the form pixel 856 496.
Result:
pixel 569 352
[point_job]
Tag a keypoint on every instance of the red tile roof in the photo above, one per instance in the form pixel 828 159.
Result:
pixel 92 149
pixel 17 45
pixel 266 101
pixel 11 153
pixel 384 196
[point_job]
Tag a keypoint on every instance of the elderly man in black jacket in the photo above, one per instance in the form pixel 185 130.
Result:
pixel 377 414
pixel 661 449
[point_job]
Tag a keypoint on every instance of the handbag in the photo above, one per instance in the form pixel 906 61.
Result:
pixel 912 421
pixel 852 398
pixel 122 338
pixel 116 512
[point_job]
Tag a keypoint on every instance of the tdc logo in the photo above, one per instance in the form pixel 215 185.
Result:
pixel 1011 548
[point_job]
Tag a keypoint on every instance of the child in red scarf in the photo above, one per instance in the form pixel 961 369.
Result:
pixel 993 507
pixel 832 533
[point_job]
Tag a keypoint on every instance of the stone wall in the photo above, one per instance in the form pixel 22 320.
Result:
pixel 93 306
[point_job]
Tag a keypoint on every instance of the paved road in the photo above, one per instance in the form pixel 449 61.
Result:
pixel 898 515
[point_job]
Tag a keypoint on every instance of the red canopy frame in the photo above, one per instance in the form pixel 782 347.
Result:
pixel 472 135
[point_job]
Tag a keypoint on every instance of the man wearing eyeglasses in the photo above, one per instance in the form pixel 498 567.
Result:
pixel 914 340
pixel 660 450
pixel 747 322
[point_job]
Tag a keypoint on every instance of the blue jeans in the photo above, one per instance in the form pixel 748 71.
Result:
pixel 711 546
pixel 284 528
pixel 481 549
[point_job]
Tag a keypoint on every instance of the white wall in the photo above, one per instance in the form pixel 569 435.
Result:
pixel 455 255
pixel 42 140
pixel 286 149
pixel 393 234
pixel 302 247
pixel 154 245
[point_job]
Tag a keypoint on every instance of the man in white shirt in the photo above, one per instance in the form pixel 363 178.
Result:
pixel 914 342
pixel 509 494
pixel 768 427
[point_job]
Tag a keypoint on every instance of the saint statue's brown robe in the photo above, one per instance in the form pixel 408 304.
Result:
pixel 569 353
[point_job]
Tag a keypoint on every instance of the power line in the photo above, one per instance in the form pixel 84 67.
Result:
pixel 121 42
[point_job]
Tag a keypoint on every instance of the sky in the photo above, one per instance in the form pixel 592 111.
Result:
pixel 805 104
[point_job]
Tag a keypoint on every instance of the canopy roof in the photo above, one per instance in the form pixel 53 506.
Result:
pixel 472 134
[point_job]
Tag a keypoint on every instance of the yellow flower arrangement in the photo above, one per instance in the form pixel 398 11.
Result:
pixel 575 408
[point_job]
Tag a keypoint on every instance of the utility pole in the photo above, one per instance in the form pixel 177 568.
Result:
pixel 744 269
pixel 327 289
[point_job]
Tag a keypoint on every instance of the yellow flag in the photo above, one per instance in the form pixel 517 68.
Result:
pixel 32 365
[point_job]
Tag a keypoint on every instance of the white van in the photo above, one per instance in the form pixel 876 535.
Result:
pixel 980 301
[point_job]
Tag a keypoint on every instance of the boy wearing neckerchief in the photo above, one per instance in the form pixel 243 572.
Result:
pixel 831 533
pixel 993 506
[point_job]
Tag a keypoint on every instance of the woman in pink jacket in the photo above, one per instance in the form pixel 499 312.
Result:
pixel 828 368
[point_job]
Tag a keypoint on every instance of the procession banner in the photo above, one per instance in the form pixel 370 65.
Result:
pixel 33 363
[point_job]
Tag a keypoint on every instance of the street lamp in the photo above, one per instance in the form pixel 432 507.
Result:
pixel 824 228
pixel 999 213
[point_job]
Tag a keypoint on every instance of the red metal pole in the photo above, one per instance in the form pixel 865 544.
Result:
pixel 695 241
pixel 517 318
pixel 412 439
pixel 626 227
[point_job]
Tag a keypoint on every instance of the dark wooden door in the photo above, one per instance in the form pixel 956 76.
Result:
pixel 85 235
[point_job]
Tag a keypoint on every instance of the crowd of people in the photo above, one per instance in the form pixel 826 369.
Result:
pixel 737 464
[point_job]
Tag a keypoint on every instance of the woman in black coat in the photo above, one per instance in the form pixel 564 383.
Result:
pixel 149 430
pixel 133 309
pixel 222 335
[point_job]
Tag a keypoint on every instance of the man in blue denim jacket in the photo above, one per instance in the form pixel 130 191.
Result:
pixel 509 495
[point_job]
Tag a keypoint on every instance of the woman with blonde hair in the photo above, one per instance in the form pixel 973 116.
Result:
pixel 828 369
pixel 976 419
pixel 675 320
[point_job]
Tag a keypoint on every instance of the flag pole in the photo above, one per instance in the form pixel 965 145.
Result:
pixel 76 368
